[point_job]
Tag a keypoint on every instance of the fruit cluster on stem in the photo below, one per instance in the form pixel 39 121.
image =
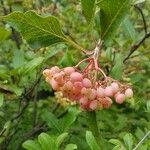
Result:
pixel 90 87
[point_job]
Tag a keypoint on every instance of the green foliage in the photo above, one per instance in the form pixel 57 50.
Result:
pixel 63 124
pixel 38 31
pixel 117 70
pixel 111 15
pixel 1 99
pixel 47 142
pixel 4 33
pixel 91 141
pixel 88 8
pixel 30 117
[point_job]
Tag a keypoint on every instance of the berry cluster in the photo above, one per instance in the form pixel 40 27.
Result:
pixel 84 89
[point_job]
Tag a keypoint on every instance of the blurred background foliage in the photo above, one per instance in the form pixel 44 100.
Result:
pixel 28 106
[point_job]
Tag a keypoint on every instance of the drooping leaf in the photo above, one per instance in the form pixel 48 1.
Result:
pixel 31 145
pixel 38 31
pixel 88 8
pixel 91 141
pixel 112 12
pixel 46 142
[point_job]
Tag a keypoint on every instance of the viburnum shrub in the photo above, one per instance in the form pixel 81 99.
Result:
pixel 89 87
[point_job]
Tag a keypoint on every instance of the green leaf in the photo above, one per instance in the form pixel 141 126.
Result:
pixel 60 139
pixel 1 99
pixel 129 29
pixel 18 58
pixel 148 106
pixel 67 59
pixel 139 133
pixel 31 145
pixel 51 120
pixel 88 8
pixel 117 70
pixel 115 141
pixel 46 142
pixel 138 1
pixel 70 147
pixel 119 147
pixel 112 12
pixel 31 65
pixel 4 33
pixel 69 118
pixel 38 31
pixel 91 141
pixel 128 140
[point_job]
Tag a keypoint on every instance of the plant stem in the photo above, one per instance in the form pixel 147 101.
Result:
pixel 92 123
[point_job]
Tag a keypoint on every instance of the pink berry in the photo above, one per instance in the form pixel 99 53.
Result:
pixel 91 94
pixel 83 100
pixel 109 91
pixel 58 77
pixel 119 98
pixel 69 70
pixel 68 86
pixel 108 102
pixel 115 87
pixel 54 84
pixel 76 76
pixel 86 83
pixel 78 85
pixel 93 105
pixel 83 91
pixel 100 92
pixel 129 93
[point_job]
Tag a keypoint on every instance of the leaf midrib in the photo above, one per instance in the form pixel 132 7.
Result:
pixel 113 19
pixel 43 29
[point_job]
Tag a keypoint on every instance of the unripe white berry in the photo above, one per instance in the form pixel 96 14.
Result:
pixel 128 93
pixel 115 87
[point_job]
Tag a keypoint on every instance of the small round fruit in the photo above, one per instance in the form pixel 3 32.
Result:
pixel 119 98
pixel 100 92
pixel 128 93
pixel 76 76
pixel 93 105
pixel 69 70
pixel 54 84
pixel 115 87
pixel 86 83
pixel 109 91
